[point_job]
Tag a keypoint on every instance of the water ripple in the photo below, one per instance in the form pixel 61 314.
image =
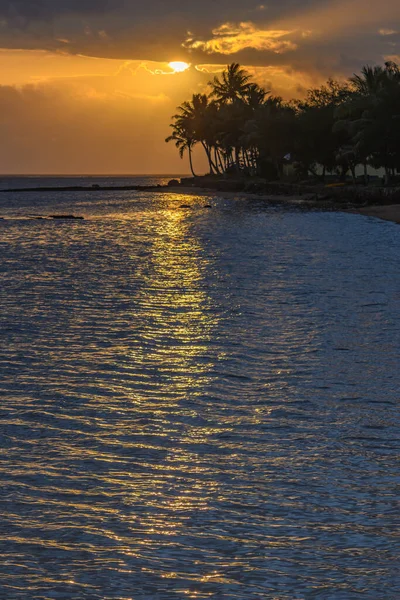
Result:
pixel 197 404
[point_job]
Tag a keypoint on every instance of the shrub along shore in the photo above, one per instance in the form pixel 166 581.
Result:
pixel 340 195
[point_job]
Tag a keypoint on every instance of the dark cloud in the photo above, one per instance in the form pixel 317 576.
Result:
pixel 321 34
pixel 150 11
pixel 34 10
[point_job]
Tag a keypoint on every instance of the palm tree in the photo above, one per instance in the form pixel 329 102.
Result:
pixel 370 81
pixel 183 141
pixel 193 117
pixel 271 134
pixel 372 117
pixel 237 98
pixel 255 96
pixel 317 141
pixel 233 84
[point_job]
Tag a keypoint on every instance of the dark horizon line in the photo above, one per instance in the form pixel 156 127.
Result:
pixel 94 175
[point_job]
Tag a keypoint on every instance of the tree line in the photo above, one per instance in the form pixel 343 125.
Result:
pixel 245 130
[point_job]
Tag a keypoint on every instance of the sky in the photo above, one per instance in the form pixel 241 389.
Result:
pixel 86 86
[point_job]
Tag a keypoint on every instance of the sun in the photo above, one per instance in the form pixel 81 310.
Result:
pixel 178 67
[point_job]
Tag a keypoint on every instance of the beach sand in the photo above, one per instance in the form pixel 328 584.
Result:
pixel 388 213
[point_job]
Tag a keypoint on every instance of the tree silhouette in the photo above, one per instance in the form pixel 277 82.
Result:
pixel 244 130
pixel 232 85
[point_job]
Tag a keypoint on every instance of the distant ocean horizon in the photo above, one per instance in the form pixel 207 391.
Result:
pixel 54 180
pixel 74 175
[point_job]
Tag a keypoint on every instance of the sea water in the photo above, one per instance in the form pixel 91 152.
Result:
pixel 197 402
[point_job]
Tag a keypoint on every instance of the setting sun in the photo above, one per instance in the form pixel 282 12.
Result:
pixel 178 67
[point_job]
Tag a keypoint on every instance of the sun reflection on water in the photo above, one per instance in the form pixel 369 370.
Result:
pixel 176 323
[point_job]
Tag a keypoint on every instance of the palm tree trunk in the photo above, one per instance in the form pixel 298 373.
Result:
pixel 226 160
pixel 216 161
pixel 256 159
pixel 212 163
pixel 246 159
pixel 191 163
pixel 207 151
pixel 220 160
pixel 353 174
pixel 237 159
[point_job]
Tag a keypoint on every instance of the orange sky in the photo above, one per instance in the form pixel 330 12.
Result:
pixel 79 92
pixel 74 114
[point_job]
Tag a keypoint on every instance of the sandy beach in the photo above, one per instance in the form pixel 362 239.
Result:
pixel 390 212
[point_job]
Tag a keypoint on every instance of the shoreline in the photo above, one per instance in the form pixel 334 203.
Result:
pixel 305 197
pixel 207 192
pixel 386 212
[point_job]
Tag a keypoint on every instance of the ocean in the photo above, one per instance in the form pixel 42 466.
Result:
pixel 200 398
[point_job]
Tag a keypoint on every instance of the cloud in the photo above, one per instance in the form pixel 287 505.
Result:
pixel 304 33
pixel 231 38
pixel 330 37
pixel 21 12
pixel 387 32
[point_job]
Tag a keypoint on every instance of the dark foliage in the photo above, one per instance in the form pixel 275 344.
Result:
pixel 244 130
